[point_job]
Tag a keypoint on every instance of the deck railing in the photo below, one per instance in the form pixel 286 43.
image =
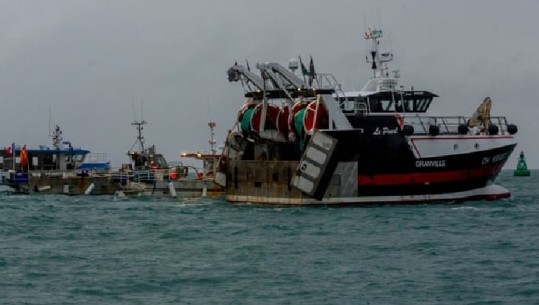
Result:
pixel 450 124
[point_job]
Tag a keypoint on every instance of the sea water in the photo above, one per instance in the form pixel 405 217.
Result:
pixel 101 250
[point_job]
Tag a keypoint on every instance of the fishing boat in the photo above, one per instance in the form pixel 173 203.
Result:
pixel 300 139
pixel 522 167
pixel 149 173
pixel 60 169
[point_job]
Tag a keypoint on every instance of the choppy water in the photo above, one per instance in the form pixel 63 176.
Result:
pixel 95 250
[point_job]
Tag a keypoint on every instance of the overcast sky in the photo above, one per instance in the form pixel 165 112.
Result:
pixel 97 65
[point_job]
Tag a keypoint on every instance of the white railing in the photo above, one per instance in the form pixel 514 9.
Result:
pixel 450 124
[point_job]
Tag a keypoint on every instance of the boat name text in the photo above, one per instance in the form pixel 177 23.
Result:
pixel 430 163
pixel 384 131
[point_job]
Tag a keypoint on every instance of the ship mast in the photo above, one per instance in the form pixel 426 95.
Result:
pixel 381 80
pixel 140 137
pixel 377 58
pixel 212 139
pixel 57 137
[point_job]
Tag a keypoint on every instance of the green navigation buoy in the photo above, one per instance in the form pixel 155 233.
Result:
pixel 522 168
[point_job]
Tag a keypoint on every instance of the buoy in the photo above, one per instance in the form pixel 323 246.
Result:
pixel 408 130
pixel 171 190
pixel 463 129
pixel 89 189
pixel 434 130
pixel 512 128
pixel 204 190
pixel 492 129
pixel 522 167
pixel 173 175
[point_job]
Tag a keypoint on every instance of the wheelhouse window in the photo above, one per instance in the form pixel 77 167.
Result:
pixel 422 104
pixel 387 105
pixel 408 105
pixel 407 101
pixel 348 103
pixel 78 158
pixel 382 104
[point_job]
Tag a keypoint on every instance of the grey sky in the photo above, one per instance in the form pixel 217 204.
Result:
pixel 93 62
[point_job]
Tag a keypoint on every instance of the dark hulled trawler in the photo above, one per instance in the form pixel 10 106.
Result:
pixel 306 141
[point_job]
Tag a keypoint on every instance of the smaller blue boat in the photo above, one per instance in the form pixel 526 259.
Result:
pixel 61 169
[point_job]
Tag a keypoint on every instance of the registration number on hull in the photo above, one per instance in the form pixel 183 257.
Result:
pixel 495 159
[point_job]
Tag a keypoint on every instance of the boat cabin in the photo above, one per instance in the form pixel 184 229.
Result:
pixel 147 159
pixel 386 102
pixel 44 159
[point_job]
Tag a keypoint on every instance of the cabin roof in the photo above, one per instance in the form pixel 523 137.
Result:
pixel 385 93
pixel 49 151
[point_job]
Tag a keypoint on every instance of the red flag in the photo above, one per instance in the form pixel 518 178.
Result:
pixel 24 157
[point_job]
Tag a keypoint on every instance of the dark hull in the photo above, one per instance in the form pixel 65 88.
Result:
pixel 461 173
pixel 394 177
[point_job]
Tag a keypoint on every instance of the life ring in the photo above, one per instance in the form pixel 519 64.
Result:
pixel 463 129
pixel 434 130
